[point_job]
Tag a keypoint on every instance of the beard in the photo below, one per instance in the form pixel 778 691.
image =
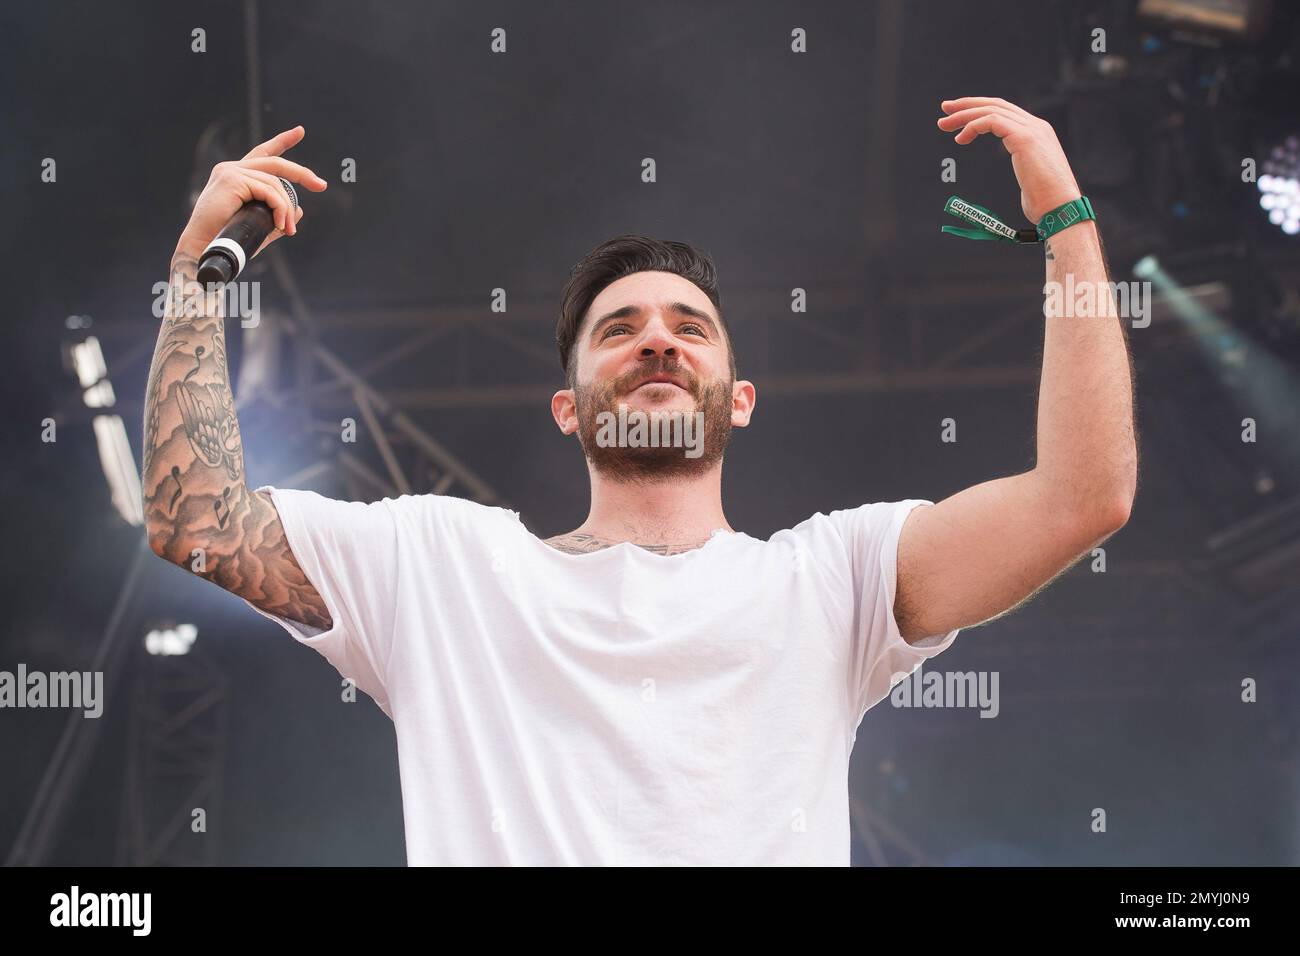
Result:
pixel 644 464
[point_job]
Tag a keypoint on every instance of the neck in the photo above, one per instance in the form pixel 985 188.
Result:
pixel 679 510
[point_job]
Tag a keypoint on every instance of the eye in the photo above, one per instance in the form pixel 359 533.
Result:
pixel 612 329
pixel 698 329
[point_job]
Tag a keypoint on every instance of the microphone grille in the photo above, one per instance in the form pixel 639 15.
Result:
pixel 288 187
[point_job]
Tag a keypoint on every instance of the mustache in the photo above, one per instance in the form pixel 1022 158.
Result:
pixel 651 367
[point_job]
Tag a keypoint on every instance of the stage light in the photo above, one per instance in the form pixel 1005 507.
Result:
pixel 1145 267
pixel 92 373
pixel 119 467
pixel 171 641
pixel 87 360
pixel 1212 20
pixel 1279 186
pixel 1266 388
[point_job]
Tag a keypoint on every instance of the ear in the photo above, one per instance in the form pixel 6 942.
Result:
pixel 743 398
pixel 564 409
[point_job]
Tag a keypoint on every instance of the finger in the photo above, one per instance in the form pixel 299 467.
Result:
pixel 270 190
pixel 276 234
pixel 279 232
pixel 279 166
pixel 278 143
pixel 267 188
pixel 962 117
pixel 965 102
pixel 282 200
pixel 996 123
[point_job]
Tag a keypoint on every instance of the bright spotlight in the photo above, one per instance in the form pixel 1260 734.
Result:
pixel 171 641
pixel 1145 267
pixel 87 361
pixel 1279 186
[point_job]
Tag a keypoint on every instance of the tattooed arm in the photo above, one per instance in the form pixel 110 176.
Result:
pixel 199 512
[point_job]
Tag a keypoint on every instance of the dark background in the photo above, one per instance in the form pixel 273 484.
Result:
pixel 478 171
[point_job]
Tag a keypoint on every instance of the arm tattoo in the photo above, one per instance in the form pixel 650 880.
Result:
pixel 209 415
pixel 198 509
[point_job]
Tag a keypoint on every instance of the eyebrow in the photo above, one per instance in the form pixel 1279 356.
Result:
pixel 681 308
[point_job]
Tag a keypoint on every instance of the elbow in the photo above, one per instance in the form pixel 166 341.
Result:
pixel 158 536
pixel 1114 499
pixel 1120 500
pixel 1091 515
pixel 1094 518
pixel 1117 515
pixel 167 541
pixel 1112 512
pixel 1086 528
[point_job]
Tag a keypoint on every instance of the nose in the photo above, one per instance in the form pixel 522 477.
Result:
pixel 656 341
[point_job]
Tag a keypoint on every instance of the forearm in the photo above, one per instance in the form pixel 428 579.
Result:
pixel 1086 446
pixel 193 475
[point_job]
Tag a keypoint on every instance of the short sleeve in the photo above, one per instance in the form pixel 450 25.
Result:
pixel 348 551
pixel 878 653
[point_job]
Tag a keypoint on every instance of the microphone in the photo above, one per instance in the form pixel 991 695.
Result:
pixel 226 255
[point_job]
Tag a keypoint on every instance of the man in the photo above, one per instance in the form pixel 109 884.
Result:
pixel 653 687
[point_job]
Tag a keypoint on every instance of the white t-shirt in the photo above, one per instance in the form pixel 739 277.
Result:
pixel 613 708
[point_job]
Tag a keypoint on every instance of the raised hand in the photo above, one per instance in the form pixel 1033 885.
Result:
pixel 1037 159
pixel 254 177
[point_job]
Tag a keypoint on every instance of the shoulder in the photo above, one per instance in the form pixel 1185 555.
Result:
pixel 840 525
pixel 447 515
pixel 443 511
pixel 855 534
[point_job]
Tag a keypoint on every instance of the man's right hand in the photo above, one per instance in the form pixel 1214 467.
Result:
pixel 254 177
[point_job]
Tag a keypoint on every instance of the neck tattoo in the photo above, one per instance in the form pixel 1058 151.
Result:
pixel 580 543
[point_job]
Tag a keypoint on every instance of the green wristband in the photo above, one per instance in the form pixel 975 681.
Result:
pixel 1062 217
pixel 987 224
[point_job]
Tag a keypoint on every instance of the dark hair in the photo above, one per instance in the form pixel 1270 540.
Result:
pixel 622 256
